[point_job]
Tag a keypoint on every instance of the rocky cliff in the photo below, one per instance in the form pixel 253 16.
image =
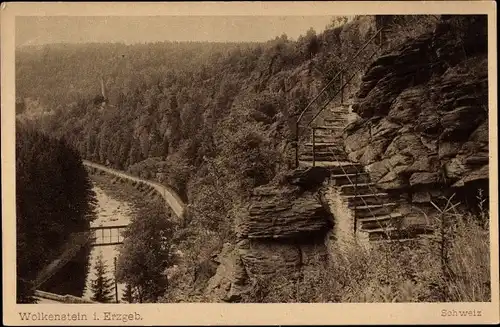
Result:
pixel 423 112
pixel 282 235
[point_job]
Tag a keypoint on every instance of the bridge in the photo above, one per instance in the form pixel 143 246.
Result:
pixel 107 235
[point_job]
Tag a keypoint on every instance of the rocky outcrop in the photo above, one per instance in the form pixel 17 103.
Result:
pixel 284 213
pixel 283 221
pixel 289 211
pixel 423 111
pixel 282 234
pixel 229 282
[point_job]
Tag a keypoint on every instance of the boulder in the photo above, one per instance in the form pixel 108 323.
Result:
pixel 268 258
pixel 399 160
pixel 392 181
pixel 423 178
pixel 477 159
pixel 430 143
pixel 229 283
pixel 407 144
pixel 378 169
pixel 424 163
pixel 278 212
pixel 448 149
pixel 475 175
pixel 421 197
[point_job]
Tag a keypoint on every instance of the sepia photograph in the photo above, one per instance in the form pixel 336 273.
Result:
pixel 342 157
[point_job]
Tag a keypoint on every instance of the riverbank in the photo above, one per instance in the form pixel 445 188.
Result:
pixel 123 192
pixel 110 211
pixel 117 204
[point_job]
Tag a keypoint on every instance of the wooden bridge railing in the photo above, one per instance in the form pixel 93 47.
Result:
pixel 107 235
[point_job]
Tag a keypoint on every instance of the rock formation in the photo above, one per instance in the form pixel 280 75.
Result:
pixel 282 234
pixel 423 112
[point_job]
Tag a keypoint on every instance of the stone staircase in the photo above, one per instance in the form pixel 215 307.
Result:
pixel 328 143
pixel 373 211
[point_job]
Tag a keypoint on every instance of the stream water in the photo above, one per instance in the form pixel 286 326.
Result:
pixel 110 212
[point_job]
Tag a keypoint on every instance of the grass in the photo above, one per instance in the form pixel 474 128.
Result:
pixel 451 265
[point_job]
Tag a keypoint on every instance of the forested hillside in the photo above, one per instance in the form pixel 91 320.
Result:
pixel 54 199
pixel 209 116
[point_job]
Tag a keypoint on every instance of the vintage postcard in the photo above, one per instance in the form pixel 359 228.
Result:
pixel 244 163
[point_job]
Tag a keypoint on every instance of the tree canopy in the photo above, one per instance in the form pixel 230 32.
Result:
pixel 145 254
pixel 54 200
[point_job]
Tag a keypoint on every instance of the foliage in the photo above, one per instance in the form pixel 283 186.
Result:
pixel 400 29
pixel 54 198
pixel 146 253
pixel 128 294
pixel 102 286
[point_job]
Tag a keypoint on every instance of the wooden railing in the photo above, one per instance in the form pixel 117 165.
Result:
pixel 323 92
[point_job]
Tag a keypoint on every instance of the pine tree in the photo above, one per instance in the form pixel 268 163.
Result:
pixel 128 294
pixel 102 286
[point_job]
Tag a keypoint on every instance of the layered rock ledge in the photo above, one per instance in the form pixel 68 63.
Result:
pixel 423 112
pixel 282 235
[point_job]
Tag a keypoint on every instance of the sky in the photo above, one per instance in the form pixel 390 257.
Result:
pixel 77 29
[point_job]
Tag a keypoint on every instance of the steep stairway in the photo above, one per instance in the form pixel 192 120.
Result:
pixel 319 143
pixel 328 143
pixel 372 209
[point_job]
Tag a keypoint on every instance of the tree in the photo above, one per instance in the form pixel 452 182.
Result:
pixel 54 199
pixel 128 294
pixel 102 285
pixel 337 21
pixel 312 42
pixel 145 254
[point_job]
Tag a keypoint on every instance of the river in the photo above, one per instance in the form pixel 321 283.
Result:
pixel 110 212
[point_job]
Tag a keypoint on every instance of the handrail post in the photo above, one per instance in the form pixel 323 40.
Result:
pixel 342 88
pixel 355 203
pixel 297 144
pixel 313 146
